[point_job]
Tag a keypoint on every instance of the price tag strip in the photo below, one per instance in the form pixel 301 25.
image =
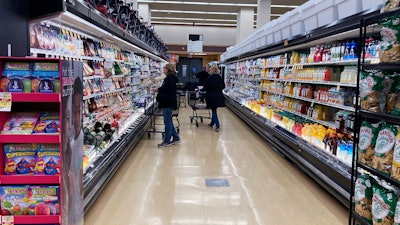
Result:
pixel 7 220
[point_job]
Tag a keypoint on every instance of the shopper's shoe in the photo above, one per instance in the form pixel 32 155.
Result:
pixel 174 142
pixel 210 126
pixel 217 129
pixel 162 145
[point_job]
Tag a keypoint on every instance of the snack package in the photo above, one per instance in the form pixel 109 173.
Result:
pixel 390 5
pixel 16 77
pixel 370 89
pixel 393 97
pixel 47 123
pixel 383 157
pixel 46 77
pixel 384 202
pixel 390 46
pixel 363 197
pixel 396 158
pixel 19 158
pixel 44 200
pixel 20 123
pixel 48 159
pixel 366 145
pixel 14 200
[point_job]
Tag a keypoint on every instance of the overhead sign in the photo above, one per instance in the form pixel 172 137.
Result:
pixel 195 43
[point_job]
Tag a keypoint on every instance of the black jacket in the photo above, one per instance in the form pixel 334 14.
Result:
pixel 202 76
pixel 213 87
pixel 166 96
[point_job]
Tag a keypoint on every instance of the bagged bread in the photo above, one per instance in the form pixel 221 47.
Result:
pixel 370 89
pixel 384 202
pixel 396 159
pixel 367 140
pixel 383 157
pixel 390 46
pixel 363 197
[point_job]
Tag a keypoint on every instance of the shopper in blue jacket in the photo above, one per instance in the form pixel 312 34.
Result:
pixel 213 87
pixel 167 102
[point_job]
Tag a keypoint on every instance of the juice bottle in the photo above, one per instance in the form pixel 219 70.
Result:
pixel 327 74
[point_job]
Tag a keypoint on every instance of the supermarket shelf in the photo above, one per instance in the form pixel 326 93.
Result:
pixel 380 116
pixel 30 138
pixel 341 62
pixel 30 179
pixel 37 219
pixel 102 93
pixel 348 108
pixel 325 123
pixel 381 66
pixel 360 219
pixel 101 171
pixel 323 167
pixel 93 77
pixel 379 174
pixel 58 54
pixel 35 97
pixel 330 83
pixel 376 18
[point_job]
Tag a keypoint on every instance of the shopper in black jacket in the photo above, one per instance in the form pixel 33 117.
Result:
pixel 202 76
pixel 213 87
pixel 167 102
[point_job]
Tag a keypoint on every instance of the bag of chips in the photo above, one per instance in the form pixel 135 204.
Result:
pixel 367 140
pixel 383 157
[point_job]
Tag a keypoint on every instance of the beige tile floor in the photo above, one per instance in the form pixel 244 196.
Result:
pixel 167 186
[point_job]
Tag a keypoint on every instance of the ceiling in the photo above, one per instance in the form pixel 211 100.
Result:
pixel 208 12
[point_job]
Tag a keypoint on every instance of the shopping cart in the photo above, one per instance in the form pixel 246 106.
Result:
pixel 182 94
pixel 199 107
pixel 157 115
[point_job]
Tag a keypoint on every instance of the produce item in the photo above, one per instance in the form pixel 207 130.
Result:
pixel 14 200
pixel 370 88
pixel 363 197
pixel 383 157
pixel 366 145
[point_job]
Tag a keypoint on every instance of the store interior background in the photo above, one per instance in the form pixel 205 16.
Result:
pixel 222 23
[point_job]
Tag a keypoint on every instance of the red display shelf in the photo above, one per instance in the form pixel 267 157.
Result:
pixel 37 219
pixel 30 138
pixel 38 97
pixel 30 179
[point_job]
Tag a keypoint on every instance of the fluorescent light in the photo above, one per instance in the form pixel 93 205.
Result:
pixel 193 19
pixel 201 12
pixel 193 12
pixel 189 23
pixel 212 3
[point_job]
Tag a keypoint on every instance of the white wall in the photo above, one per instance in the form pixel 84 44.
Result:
pixel 213 36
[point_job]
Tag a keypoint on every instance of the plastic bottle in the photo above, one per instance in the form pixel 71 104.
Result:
pixel 346 54
pixel 353 50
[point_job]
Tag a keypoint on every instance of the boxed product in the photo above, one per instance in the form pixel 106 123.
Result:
pixel 44 200
pixel 16 77
pixel 20 123
pixel 46 77
pixel 48 159
pixel 19 158
pixel 14 200
pixel 47 123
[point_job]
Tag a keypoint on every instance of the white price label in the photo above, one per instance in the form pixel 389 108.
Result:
pixel 5 102
pixel 7 220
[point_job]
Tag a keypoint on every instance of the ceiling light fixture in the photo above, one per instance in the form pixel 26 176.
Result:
pixel 200 12
pixel 193 12
pixel 193 24
pixel 212 3
pixel 192 19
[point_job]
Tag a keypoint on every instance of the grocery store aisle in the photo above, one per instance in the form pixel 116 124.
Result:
pixel 167 186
